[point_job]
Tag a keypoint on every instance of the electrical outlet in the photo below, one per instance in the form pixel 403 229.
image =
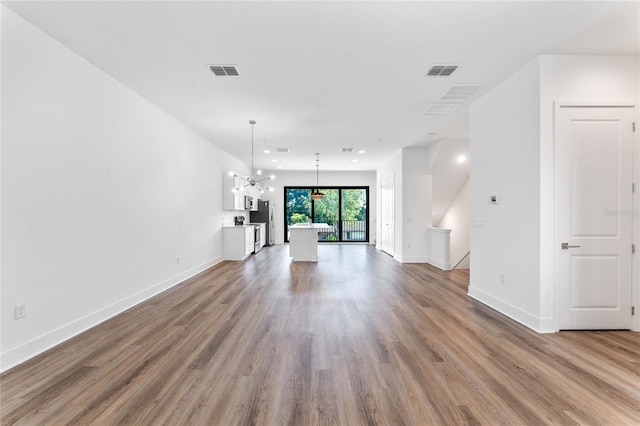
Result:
pixel 503 278
pixel 178 260
pixel 21 311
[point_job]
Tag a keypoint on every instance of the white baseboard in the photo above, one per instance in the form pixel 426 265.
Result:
pixel 440 265
pixel 28 350
pixel 540 325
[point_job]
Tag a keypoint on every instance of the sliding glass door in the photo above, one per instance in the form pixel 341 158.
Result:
pixel 345 210
pixel 355 214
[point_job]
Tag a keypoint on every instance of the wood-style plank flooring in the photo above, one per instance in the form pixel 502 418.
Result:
pixel 356 338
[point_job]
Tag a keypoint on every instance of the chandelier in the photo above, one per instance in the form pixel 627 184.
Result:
pixel 253 181
pixel 317 195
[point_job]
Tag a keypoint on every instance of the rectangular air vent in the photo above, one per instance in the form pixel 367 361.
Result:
pixel 461 91
pixel 441 109
pixel 347 149
pixel 442 70
pixel 282 149
pixel 224 70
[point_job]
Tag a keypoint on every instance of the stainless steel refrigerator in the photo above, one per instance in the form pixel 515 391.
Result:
pixel 265 214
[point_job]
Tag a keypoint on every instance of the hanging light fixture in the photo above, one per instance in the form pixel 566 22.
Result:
pixel 254 181
pixel 317 195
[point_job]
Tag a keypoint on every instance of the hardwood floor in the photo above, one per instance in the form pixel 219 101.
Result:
pixel 357 338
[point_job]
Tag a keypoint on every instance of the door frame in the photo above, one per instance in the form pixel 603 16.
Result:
pixel 390 249
pixel 635 223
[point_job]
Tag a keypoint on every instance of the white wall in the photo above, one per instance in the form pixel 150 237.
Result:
pixel 412 201
pixel 416 204
pixel 326 178
pixel 101 191
pixel 505 143
pixel 575 78
pixel 513 156
pixel 458 219
pixel 449 176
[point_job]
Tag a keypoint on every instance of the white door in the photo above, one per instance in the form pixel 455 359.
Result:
pixel 387 215
pixel 593 216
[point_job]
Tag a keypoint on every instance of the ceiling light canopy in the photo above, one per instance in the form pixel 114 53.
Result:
pixel 254 181
pixel 462 158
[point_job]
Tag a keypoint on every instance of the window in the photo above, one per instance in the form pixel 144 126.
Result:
pixel 344 209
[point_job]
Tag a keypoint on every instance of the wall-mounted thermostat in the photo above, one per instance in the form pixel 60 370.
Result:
pixel 493 199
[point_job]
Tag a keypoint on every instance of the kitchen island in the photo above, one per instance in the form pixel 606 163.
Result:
pixel 303 241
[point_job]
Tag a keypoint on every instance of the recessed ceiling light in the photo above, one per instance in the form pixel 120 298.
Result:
pixel 279 167
pixel 362 151
pixel 354 161
pixel 462 158
pixel 274 159
pixel 266 151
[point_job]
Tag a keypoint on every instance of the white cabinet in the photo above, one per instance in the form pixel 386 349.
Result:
pixel 253 192
pixel 232 200
pixel 235 200
pixel 303 241
pixel 237 242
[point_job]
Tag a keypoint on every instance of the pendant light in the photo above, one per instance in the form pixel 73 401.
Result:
pixel 252 180
pixel 317 195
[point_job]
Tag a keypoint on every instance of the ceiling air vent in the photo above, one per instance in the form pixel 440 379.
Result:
pixel 442 70
pixel 282 149
pixel 224 70
pixel 461 91
pixel 347 149
pixel 441 109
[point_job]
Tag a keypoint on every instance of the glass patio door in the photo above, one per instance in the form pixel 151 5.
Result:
pixel 354 214
pixel 345 210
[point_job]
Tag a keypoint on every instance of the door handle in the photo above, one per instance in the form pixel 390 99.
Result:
pixel 566 246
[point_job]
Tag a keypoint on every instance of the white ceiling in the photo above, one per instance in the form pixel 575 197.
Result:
pixel 318 76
